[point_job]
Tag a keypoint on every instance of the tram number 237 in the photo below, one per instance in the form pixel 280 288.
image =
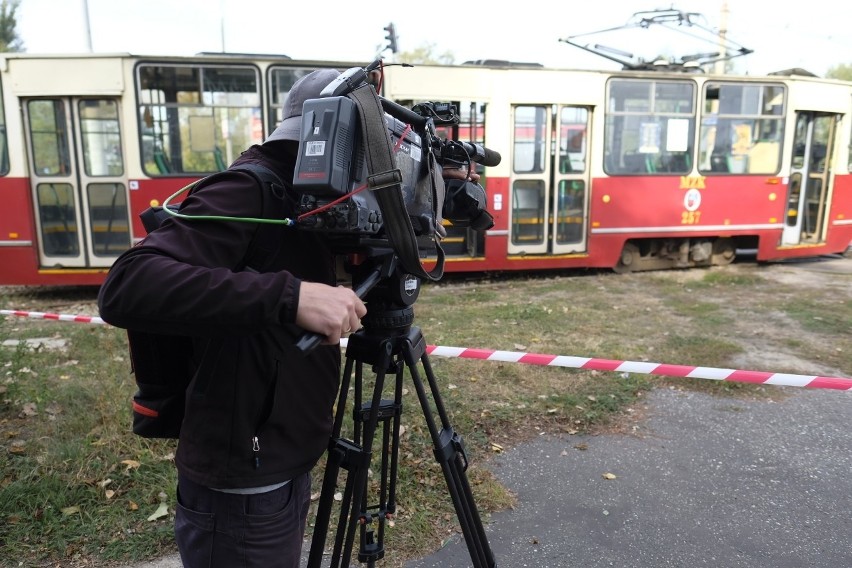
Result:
pixel 690 217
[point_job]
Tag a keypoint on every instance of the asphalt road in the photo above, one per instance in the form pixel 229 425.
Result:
pixel 705 481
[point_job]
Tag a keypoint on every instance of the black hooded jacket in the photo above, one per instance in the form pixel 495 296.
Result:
pixel 266 414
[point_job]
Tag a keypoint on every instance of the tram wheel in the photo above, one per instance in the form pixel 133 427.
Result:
pixel 629 259
pixel 724 251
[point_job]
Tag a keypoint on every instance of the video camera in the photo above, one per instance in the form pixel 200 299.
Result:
pixel 340 195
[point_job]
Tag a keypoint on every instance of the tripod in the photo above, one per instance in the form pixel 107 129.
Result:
pixel 390 344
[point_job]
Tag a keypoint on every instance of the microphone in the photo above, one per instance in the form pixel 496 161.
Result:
pixel 480 154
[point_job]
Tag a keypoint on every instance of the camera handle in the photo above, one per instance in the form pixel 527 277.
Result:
pixel 389 344
pixel 309 340
pixel 375 272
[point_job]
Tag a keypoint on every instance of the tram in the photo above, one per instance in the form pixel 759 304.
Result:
pixel 624 170
pixel 639 170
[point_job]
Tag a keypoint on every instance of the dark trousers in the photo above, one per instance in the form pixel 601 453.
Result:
pixel 215 529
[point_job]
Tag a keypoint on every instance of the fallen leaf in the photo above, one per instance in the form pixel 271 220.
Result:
pixel 162 511
pixel 131 464
pixel 609 476
pixel 29 409
pixel 109 493
pixel 70 510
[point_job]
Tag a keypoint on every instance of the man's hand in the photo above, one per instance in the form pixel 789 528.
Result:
pixel 331 311
pixel 459 173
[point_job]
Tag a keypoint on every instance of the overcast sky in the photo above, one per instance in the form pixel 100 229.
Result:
pixel 782 33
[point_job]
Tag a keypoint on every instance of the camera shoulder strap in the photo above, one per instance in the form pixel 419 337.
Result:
pixel 385 179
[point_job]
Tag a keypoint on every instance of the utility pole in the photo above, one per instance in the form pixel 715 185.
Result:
pixel 723 32
pixel 222 23
pixel 88 29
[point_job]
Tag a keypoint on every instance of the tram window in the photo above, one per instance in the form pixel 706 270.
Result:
pixel 741 128
pixel 110 234
pixel 4 139
pixel 49 136
pixel 101 138
pixel 530 137
pixel 197 118
pixel 528 212
pixel 58 219
pixel 281 80
pixel 571 198
pixel 649 127
pixel 572 139
pixel 849 161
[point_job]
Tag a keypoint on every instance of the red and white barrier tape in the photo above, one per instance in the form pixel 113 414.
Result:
pixel 49 316
pixel 760 377
pixel 686 371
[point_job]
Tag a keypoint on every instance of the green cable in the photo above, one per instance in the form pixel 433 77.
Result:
pixel 284 221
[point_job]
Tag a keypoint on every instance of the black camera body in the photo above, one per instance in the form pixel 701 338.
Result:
pixel 402 209
pixel 332 164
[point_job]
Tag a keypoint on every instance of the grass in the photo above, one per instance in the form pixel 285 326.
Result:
pixel 79 489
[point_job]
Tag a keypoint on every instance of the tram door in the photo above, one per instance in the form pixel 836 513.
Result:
pixel 808 191
pixel 549 179
pixel 78 180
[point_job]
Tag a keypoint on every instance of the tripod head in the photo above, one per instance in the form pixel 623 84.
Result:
pixel 390 301
pixel 379 279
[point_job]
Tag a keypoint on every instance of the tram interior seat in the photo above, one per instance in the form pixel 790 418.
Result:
pixel 675 162
pixel 220 159
pixel 162 162
pixel 565 164
pixel 719 163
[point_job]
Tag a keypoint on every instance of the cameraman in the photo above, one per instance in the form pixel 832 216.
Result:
pixel 247 446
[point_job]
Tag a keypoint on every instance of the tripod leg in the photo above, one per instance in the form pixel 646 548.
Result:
pixel 450 454
pixel 337 457
pixel 354 457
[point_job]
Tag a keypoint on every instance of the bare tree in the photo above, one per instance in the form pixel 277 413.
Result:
pixel 9 40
